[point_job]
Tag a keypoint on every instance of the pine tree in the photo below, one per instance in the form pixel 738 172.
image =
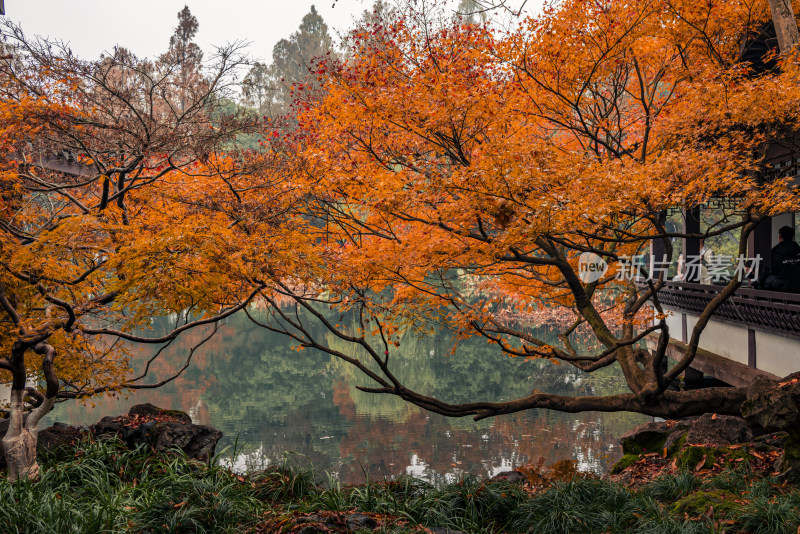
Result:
pixel 272 89
pixel 184 55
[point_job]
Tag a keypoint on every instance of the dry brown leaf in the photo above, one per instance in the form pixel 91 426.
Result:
pixel 701 463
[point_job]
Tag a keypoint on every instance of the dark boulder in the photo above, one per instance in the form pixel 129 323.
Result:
pixel 356 522
pixel 708 429
pixel 773 406
pixel 59 435
pixel 646 438
pixel 149 410
pixel 109 426
pixel 711 429
pixel 670 437
pixel 162 431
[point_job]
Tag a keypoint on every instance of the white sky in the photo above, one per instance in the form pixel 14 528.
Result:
pixel 144 26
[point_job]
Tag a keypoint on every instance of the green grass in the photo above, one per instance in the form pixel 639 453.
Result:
pixel 103 487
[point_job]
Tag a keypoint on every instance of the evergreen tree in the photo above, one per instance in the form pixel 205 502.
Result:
pixel 184 56
pixel 181 44
pixel 256 92
pixel 294 59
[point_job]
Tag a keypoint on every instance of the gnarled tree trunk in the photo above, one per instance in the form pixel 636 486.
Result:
pixel 19 443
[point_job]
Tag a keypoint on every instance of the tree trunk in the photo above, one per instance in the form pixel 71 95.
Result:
pixel 19 443
pixel 785 24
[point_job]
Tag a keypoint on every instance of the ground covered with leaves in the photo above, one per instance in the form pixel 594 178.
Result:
pixel 101 486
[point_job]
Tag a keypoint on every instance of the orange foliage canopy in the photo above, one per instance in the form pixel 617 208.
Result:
pixel 443 172
pixel 458 171
pixel 120 202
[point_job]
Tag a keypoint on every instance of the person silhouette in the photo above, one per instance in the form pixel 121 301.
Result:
pixel 782 273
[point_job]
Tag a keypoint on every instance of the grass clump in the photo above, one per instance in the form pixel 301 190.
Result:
pixel 470 505
pixel 104 487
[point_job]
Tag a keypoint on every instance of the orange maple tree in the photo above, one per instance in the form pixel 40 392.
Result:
pixel 454 171
pixel 115 208
pixel 442 172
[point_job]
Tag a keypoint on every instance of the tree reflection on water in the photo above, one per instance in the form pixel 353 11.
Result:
pixel 252 385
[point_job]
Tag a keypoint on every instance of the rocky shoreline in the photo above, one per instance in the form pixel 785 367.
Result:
pixel 712 471
pixel 159 429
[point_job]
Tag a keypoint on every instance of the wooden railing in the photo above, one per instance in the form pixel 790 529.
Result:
pixel 767 310
pixel 791 168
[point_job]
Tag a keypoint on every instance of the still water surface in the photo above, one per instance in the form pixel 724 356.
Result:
pixel 270 399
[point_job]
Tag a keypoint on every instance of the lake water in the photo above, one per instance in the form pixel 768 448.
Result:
pixel 270 399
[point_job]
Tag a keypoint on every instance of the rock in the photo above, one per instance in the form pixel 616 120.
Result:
pixel 708 429
pixel 700 501
pixel 775 439
pixel 718 430
pixel 59 435
pixel 649 437
pixel 108 425
pixel 204 443
pixel 161 430
pixel 509 476
pixel 356 522
pixel 311 519
pixel 148 410
pixel 166 436
pixel 775 407
pixel 676 438
pixel 770 408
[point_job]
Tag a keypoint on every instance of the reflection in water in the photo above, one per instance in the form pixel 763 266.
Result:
pixel 269 398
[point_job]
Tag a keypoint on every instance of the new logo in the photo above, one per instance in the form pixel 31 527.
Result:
pixel 591 267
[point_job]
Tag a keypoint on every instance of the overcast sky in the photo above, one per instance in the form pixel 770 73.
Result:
pixel 144 27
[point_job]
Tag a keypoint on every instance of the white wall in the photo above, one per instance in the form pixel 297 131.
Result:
pixel 722 338
pixel 776 354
